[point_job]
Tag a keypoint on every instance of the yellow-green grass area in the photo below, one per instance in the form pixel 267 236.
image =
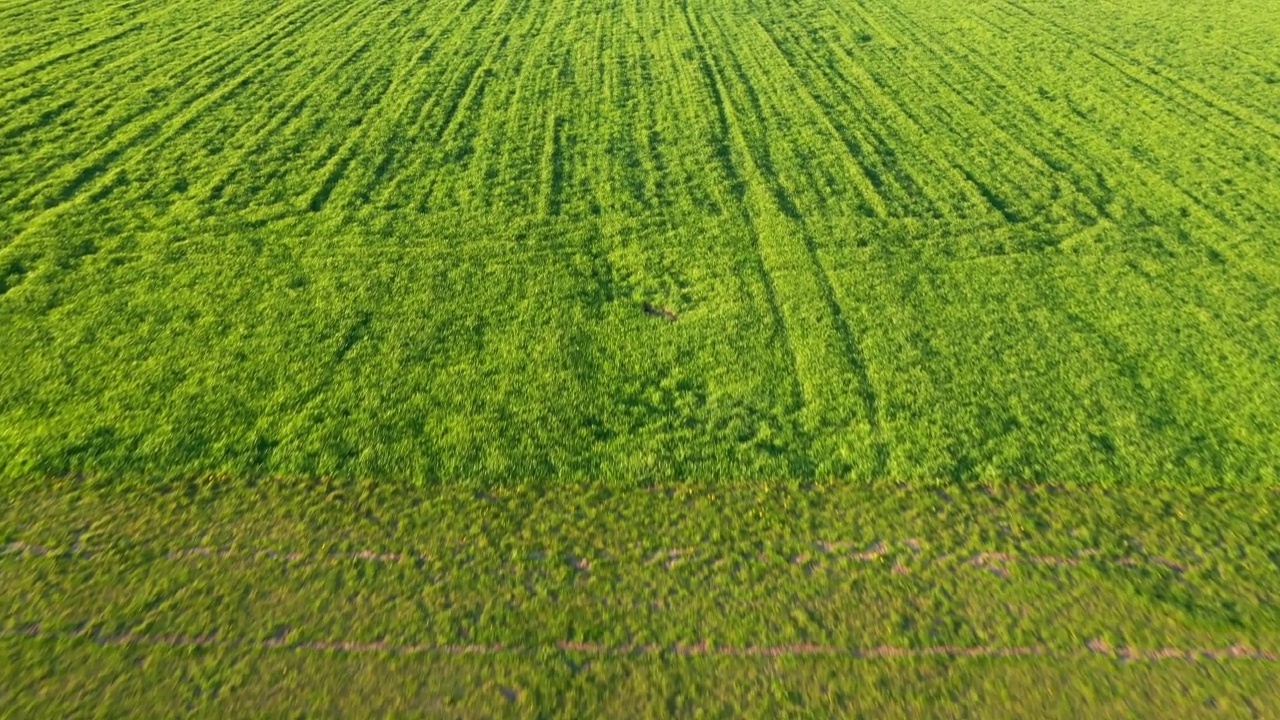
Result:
pixel 888 241
pixel 291 598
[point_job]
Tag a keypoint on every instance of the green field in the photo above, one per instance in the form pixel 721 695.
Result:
pixel 761 279
pixel 317 598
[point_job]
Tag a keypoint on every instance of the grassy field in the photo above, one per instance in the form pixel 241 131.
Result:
pixel 305 598
pixel 748 280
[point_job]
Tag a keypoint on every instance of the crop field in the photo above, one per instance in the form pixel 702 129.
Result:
pixel 916 346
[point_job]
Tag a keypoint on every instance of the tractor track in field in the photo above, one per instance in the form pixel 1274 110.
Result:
pixel 998 563
pixel 819 346
pixel 230 73
pixel 1136 67
pixel 286 642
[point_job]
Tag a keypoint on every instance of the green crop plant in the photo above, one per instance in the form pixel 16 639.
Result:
pixel 903 241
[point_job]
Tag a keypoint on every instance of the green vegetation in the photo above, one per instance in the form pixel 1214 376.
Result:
pixel 413 240
pixel 639 356
pixel 292 597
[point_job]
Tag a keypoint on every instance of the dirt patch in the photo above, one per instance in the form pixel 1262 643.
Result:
pixel 659 311
pixel 875 552
pixel 1166 562
pixel 700 648
pixel 379 557
pixel 1130 653
pixel 287 556
pixel 997 563
pixel 670 558
pixel 1000 564
pixel 198 552
pixel 1054 560
pixel 20 548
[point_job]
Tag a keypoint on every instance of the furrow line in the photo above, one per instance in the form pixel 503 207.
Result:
pixel 803 287
pixel 377 128
pixel 1136 66
pixel 1012 87
pixel 282 13
pixel 448 100
pixel 260 137
pixel 906 126
pixel 858 170
pixel 474 157
pixel 988 136
pixel 291 642
pixel 338 165
pixel 879 553
pixel 175 114
pixel 412 90
pixel 1168 107
pixel 535 109
pixel 101 172
pixel 738 192
pixel 89 108
pixel 821 79
pixel 62 56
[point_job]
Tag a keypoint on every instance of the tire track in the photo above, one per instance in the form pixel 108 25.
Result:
pixel 518 150
pixel 524 174
pixel 232 75
pixel 127 70
pixel 290 642
pixel 276 122
pixel 982 136
pixel 1141 78
pixel 858 169
pixel 904 126
pixel 1134 67
pixel 738 188
pixel 313 82
pixel 88 122
pixel 552 170
pixel 61 56
pixel 469 159
pixel 1068 135
pixel 689 114
pixel 378 129
pixel 90 69
pixel 879 553
pixel 374 120
pixel 1168 110
pixel 464 136
pixel 966 82
pixel 467 69
pixel 866 139
pixel 827 358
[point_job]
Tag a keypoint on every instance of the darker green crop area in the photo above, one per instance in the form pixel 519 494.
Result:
pixel 507 241
pixel 750 599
